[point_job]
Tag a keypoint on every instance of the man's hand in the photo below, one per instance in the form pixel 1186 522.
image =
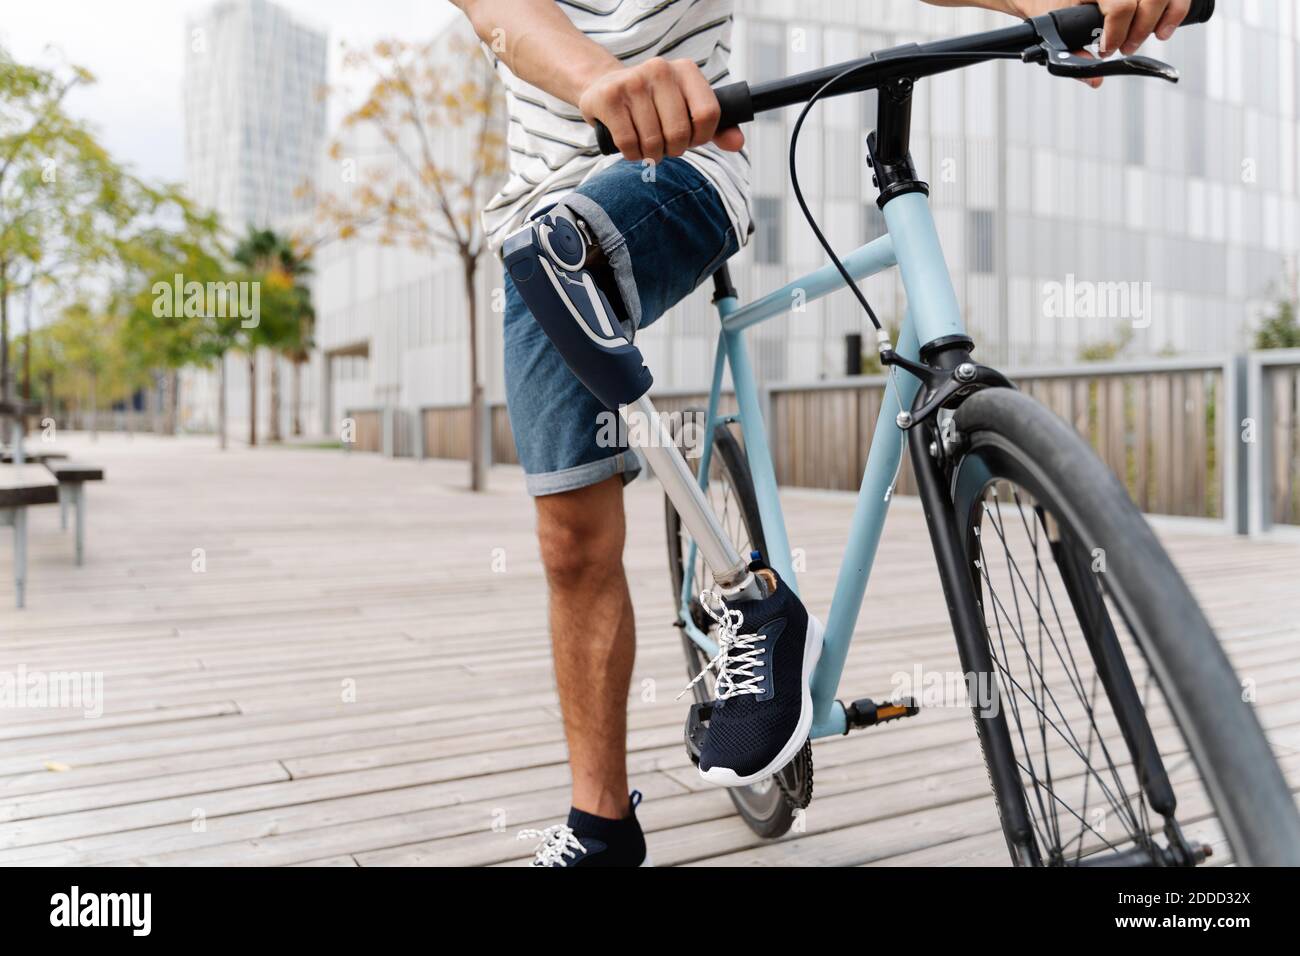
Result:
pixel 1128 22
pixel 658 108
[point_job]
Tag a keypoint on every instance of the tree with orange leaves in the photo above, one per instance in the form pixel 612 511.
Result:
pixel 439 111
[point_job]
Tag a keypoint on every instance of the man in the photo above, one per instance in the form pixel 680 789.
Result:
pixel 646 69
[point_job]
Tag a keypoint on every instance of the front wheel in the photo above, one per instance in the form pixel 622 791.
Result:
pixel 1128 725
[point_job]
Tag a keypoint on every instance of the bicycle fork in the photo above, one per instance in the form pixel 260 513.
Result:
pixel 968 627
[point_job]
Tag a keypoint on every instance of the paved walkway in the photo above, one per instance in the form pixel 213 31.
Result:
pixel 313 658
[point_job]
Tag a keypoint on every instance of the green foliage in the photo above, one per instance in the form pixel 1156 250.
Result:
pixel 79 228
pixel 1107 350
pixel 63 200
pixel 84 348
pixel 1279 330
pixel 286 308
pixel 70 219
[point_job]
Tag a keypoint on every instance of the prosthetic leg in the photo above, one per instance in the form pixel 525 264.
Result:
pixel 550 261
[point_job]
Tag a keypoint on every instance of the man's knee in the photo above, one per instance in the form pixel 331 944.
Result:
pixel 581 532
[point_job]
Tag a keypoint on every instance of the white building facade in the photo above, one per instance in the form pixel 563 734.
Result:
pixel 1047 195
pixel 254 134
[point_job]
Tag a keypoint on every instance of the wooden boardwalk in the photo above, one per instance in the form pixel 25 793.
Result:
pixel 312 658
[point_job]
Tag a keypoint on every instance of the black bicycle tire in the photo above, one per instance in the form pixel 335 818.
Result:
pixel 1226 740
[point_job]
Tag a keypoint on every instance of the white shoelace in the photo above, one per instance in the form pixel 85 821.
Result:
pixel 557 844
pixel 738 654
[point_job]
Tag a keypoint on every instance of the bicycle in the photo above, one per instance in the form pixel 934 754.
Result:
pixel 1017 507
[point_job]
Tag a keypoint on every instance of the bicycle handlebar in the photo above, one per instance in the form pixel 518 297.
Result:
pixel 740 102
pixel 1079 25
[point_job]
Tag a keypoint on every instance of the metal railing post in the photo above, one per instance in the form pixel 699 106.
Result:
pixel 1236 466
pixel 417 434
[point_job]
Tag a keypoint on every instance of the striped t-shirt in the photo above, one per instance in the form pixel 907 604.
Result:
pixel 553 150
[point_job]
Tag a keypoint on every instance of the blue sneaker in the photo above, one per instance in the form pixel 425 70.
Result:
pixel 589 840
pixel 763 711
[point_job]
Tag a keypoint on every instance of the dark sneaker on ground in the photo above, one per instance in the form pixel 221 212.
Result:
pixel 589 840
pixel 763 711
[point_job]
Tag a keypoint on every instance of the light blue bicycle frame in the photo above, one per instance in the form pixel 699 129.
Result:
pixel 912 244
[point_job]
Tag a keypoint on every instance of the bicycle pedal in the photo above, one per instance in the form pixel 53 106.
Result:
pixel 867 713
pixel 697 725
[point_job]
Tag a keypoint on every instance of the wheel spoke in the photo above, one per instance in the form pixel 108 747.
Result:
pixel 1034 696
pixel 1072 670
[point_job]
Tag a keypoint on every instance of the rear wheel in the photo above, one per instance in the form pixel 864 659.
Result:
pixel 763 805
pixel 1126 719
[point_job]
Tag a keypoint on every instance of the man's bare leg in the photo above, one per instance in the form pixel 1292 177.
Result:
pixel 593 637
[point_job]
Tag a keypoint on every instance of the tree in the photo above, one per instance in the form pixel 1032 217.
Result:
pixel 169 238
pixel 285 327
pixel 270 261
pixel 295 266
pixel 1107 350
pixel 255 251
pixel 1279 329
pixel 62 198
pixel 442 119
pixel 89 342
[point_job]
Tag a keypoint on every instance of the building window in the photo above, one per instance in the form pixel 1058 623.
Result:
pixel 979 240
pixel 873 222
pixel 769 64
pixel 870 101
pixel 769 236
pixel 1197 108
pixel 769 59
pixel 1134 124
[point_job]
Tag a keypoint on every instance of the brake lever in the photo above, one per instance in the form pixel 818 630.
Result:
pixel 1082 68
pixel 1060 60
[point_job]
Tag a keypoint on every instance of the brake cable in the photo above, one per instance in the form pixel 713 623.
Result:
pixel 794 144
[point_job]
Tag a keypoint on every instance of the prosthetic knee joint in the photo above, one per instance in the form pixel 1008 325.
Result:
pixel 549 259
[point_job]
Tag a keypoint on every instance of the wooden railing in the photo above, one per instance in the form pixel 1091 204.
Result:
pixel 367 429
pixel 446 431
pixel 1214 438
pixel 1271 432
pixel 1156 424
pixel 389 431
pixel 108 420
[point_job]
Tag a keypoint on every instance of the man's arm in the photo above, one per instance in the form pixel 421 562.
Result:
pixel 655 109
pixel 1128 22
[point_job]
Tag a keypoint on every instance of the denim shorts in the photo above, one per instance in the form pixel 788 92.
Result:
pixel 663 236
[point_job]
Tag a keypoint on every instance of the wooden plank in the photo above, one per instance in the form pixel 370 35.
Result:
pixel 29 484
pixel 223 688
pixel 1282 384
pixel 74 470
pixel 1163 437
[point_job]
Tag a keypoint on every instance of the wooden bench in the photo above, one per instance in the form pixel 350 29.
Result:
pixel 20 487
pixel 34 457
pixel 72 477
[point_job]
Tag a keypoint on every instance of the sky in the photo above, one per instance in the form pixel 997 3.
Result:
pixel 136 50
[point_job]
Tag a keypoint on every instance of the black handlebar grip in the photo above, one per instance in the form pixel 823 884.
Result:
pixel 1200 12
pixel 737 105
pixel 734 100
pixel 605 140
pixel 1081 25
